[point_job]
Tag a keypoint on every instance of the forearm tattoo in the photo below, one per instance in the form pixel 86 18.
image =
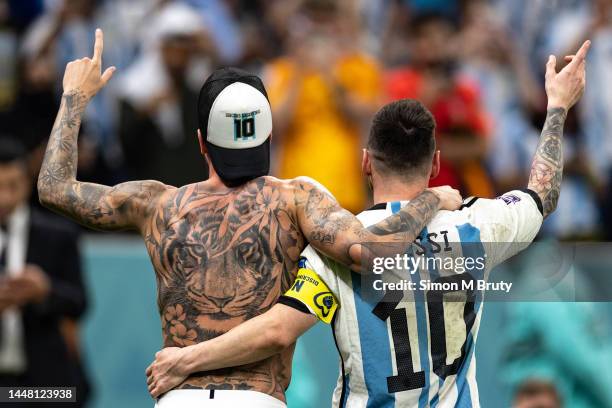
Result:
pixel 93 205
pixel 60 162
pixel 547 166
pixel 334 231
pixel 411 220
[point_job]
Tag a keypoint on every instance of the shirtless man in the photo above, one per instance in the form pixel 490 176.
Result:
pixel 223 249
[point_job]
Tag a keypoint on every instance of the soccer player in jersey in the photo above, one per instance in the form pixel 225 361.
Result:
pixel 402 353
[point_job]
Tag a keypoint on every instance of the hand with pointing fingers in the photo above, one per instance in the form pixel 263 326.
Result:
pixel 85 75
pixel 566 87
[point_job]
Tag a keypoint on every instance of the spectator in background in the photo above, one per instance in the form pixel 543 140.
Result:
pixel 593 20
pixel 158 93
pixel 41 293
pixel 510 92
pixel 577 215
pixel 388 31
pixel 530 23
pixel 8 65
pixel 323 94
pixel 597 112
pixel 15 98
pixel 223 28
pixel 263 23
pixel 462 128
pixel 537 394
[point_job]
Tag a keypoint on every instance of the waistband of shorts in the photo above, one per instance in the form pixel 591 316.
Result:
pixel 184 398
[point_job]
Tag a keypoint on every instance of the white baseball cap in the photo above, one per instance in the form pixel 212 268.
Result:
pixel 236 124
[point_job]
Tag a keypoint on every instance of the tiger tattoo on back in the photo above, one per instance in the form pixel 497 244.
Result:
pixel 221 259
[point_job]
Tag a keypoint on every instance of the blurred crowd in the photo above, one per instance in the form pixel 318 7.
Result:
pixel 328 66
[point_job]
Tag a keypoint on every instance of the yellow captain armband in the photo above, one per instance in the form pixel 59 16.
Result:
pixel 310 291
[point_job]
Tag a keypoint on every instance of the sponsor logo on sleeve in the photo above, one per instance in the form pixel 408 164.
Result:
pixel 509 199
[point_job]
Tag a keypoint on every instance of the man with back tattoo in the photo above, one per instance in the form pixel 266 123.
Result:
pixel 223 249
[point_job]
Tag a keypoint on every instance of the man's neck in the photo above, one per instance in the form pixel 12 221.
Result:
pixel 214 182
pixel 393 190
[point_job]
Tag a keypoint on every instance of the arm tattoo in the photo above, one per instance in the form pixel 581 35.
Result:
pixel 411 219
pixel 60 162
pixel 93 205
pixel 547 166
pixel 333 230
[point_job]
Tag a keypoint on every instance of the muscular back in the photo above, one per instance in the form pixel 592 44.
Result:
pixel 221 259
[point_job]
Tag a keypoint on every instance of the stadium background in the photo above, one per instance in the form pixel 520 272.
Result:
pixel 328 66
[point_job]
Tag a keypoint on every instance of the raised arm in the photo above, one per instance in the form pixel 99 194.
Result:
pixel 563 89
pixel 339 234
pixel 124 206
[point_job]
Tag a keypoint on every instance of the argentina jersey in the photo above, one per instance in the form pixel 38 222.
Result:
pixel 418 350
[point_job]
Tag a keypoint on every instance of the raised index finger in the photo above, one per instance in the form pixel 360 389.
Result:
pixel 580 55
pixel 98 47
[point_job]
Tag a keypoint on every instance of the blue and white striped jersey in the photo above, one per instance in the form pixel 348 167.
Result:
pixel 420 353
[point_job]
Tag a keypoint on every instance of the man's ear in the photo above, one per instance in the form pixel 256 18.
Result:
pixel 435 165
pixel 366 163
pixel 203 149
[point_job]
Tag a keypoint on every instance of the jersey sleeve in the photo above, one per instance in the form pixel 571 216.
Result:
pixel 508 223
pixel 310 293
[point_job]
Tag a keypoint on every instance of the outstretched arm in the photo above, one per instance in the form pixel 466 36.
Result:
pixel 254 340
pixel 124 206
pixel 339 234
pixel 563 89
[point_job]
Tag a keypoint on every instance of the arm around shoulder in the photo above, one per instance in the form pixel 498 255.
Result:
pixel 339 234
